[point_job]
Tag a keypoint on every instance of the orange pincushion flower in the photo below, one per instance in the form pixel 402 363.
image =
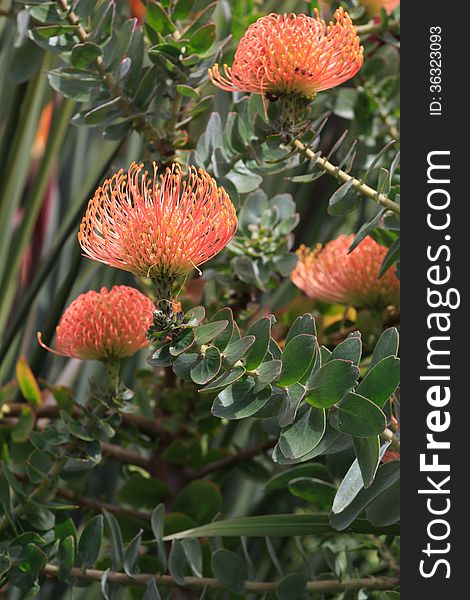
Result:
pixel 293 54
pixel 330 274
pixel 158 227
pixel 104 325
pixel 373 7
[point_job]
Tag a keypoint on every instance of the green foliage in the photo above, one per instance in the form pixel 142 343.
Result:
pixel 249 450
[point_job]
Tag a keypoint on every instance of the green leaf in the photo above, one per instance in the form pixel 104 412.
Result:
pixel 238 401
pixel 27 383
pixel 296 359
pixel 331 382
pixel 368 456
pixel 267 372
pixel 304 434
pixel 229 569
pixel 344 200
pixel 207 366
pixel 151 591
pixel 350 349
pixel 75 427
pixel 97 115
pixel 182 9
pixel 157 523
pixel 237 349
pixel 225 380
pixel 293 395
pixel 158 20
pixel 84 55
pixel 381 381
pixel 201 500
pixel 303 324
pixel 385 509
pixel 32 559
pixel 388 474
pixel 24 426
pixel 89 545
pixel 229 334
pixel 202 39
pixel 192 550
pixel 73 83
pixel 366 229
pixel 349 488
pixel 292 586
pixel 358 416
pixel 162 357
pixel 177 562
pixel 282 479
pixel 203 17
pixel 261 330
pixel 386 346
pixel 117 544
pixel 195 316
pixel 206 333
pixel 132 554
pixel 38 466
pixel 313 490
pixel 278 525
pixel 391 257
pixel 183 343
pixel 183 365
pixel 66 557
pixel 143 492
pixel 187 91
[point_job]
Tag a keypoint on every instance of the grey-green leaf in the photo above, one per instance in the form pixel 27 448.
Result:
pixel 349 349
pixel 368 456
pixel 261 330
pixel 229 569
pixel 207 366
pixel 304 434
pixel 237 349
pixel 89 545
pixel 331 382
pixel 386 346
pixel 358 416
pixel 381 381
pixel 296 359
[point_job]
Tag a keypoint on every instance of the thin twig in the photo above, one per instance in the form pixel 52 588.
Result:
pixel 146 425
pixel 364 189
pixel 125 455
pixel 373 27
pixel 369 583
pixel 229 461
pixel 85 502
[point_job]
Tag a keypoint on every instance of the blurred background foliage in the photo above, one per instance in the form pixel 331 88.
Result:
pixel 86 89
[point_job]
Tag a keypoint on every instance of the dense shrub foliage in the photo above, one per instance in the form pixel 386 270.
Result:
pixel 199 300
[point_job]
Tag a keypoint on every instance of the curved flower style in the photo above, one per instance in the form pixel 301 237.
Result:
pixel 158 229
pixel 104 325
pixel 293 54
pixel 330 274
pixel 373 7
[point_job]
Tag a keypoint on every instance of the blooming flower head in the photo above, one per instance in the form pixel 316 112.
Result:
pixel 158 227
pixel 104 325
pixel 373 7
pixel 330 274
pixel 293 54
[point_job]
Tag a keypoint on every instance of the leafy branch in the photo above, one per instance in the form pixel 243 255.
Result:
pixel 259 587
pixel 358 185
pixel 116 91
